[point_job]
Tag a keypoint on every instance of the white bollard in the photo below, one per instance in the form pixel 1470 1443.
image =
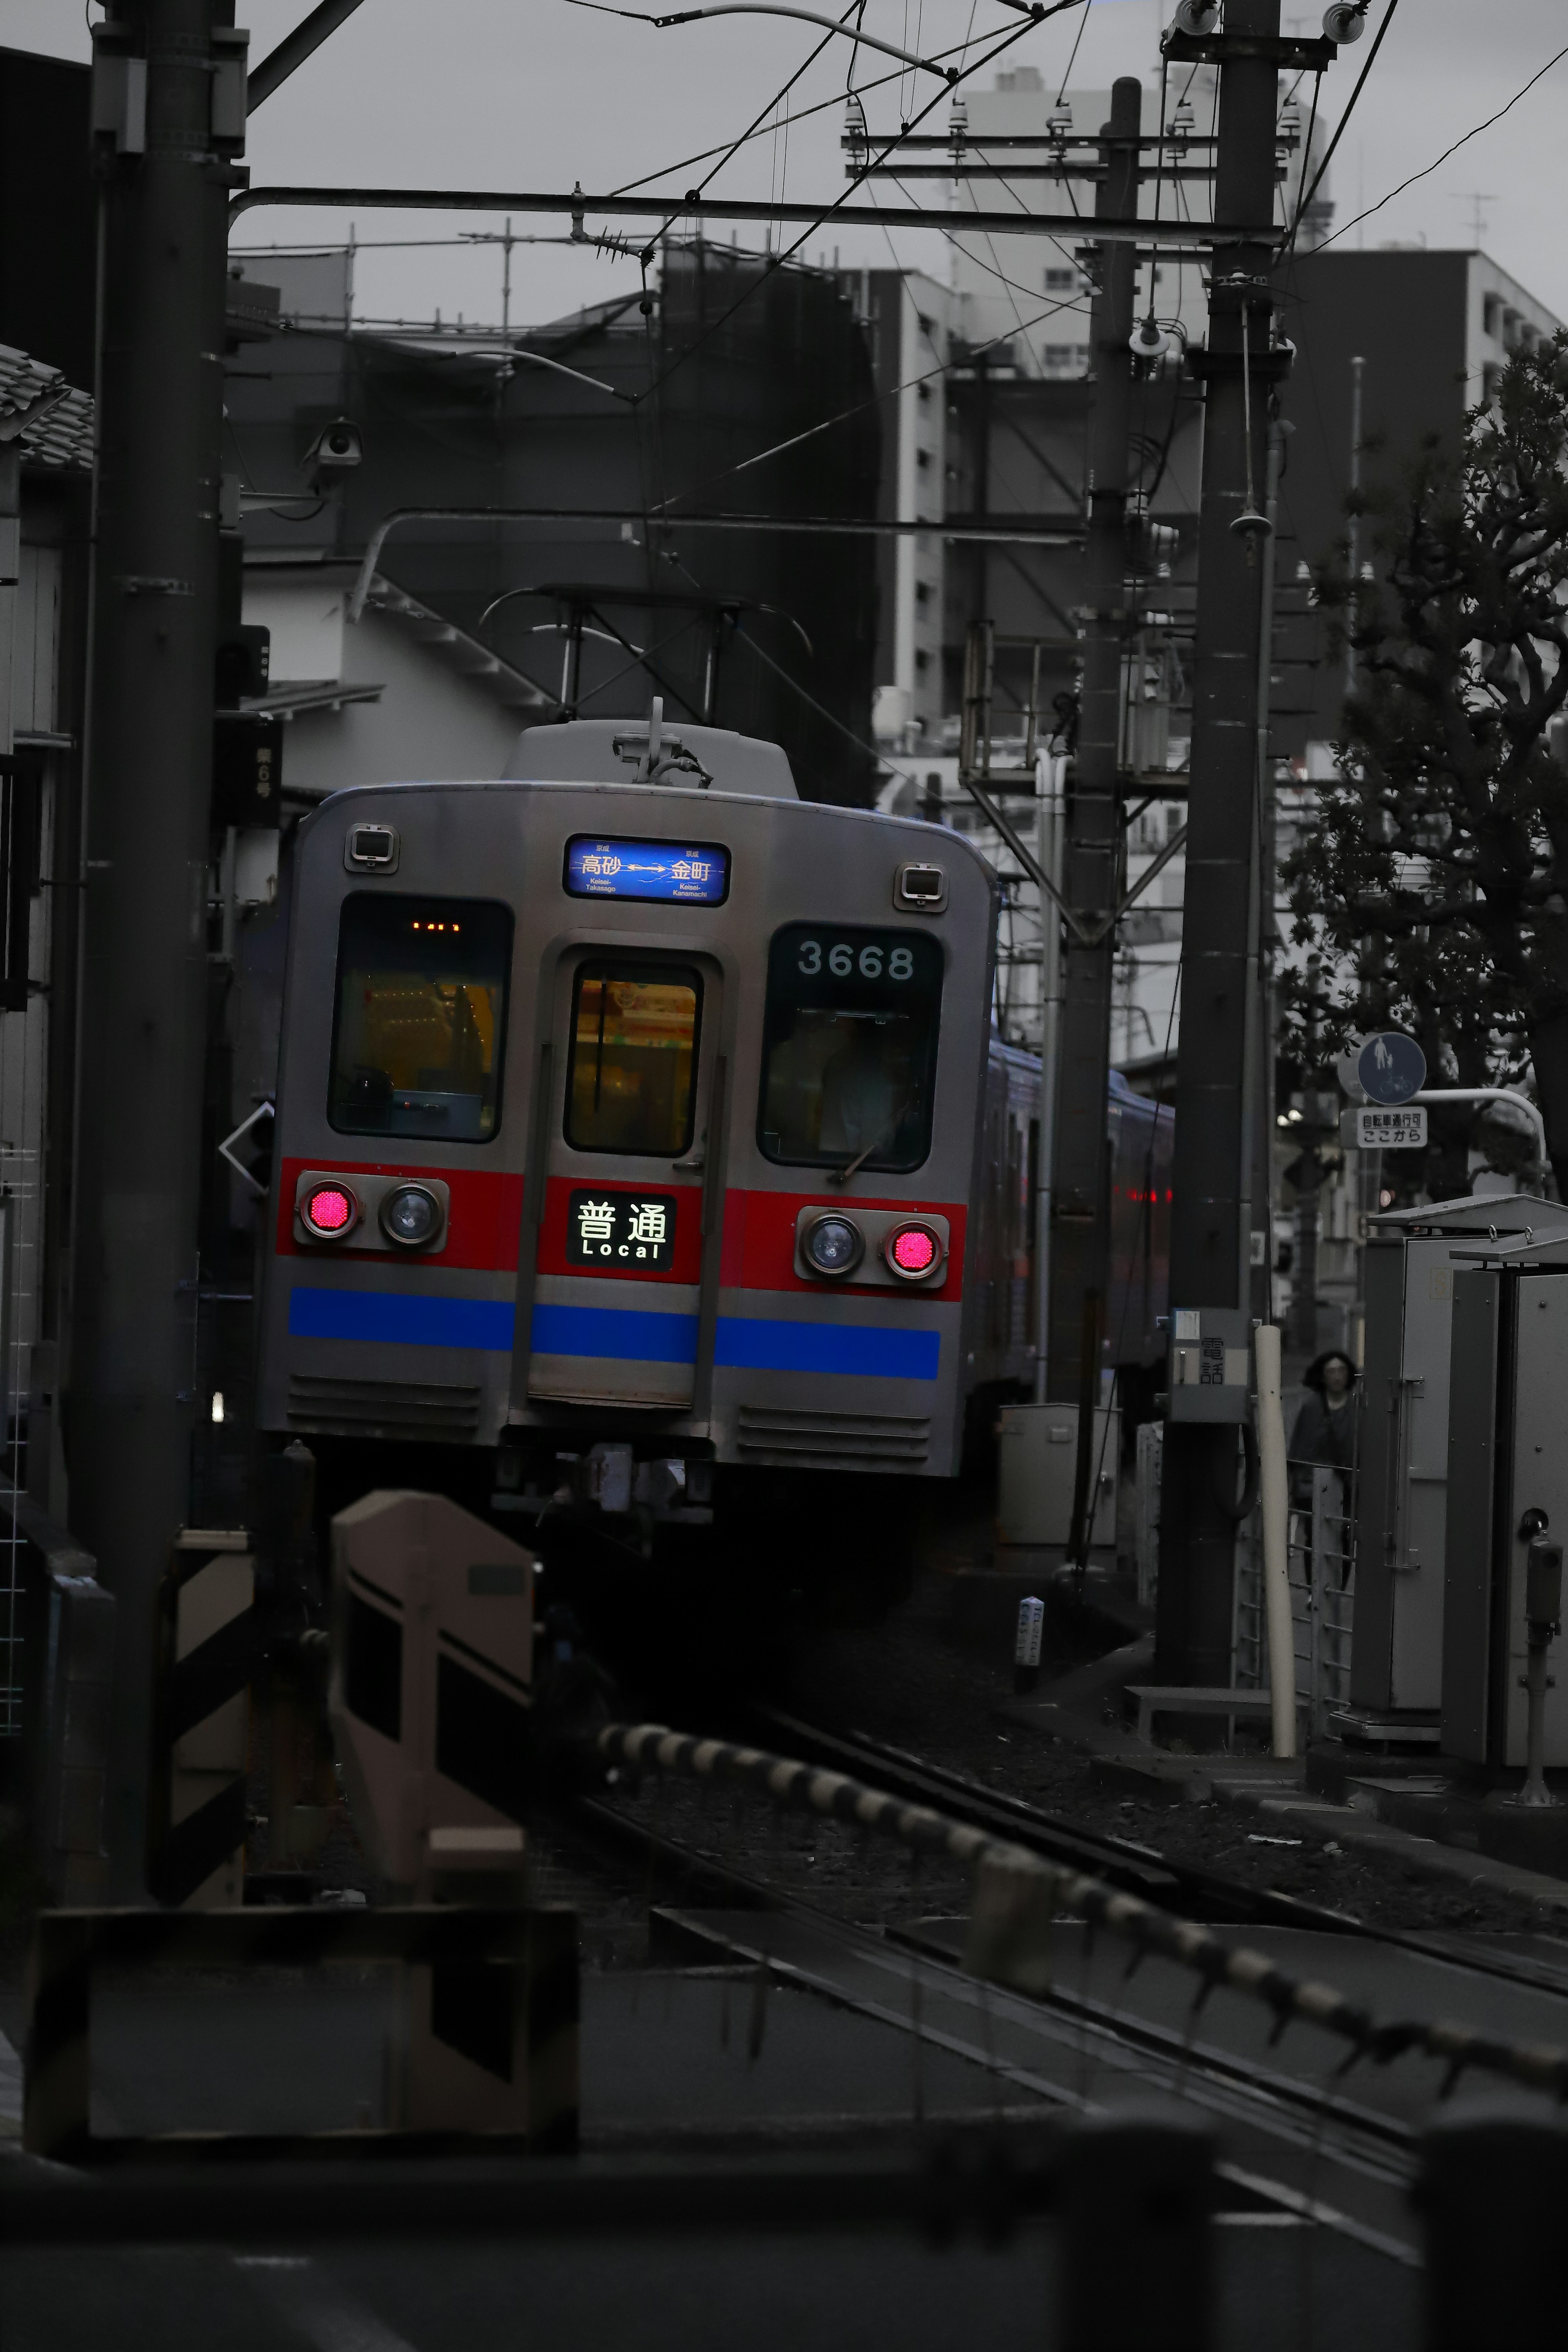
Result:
pixel 1027 1648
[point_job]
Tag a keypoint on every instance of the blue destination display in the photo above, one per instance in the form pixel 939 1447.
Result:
pixel 693 871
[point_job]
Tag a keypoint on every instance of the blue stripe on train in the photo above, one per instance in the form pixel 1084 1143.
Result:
pixel 399 1317
pixel 627 1334
pixel 875 1351
pixel 631 1334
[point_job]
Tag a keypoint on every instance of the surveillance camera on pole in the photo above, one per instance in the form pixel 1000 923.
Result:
pixel 336 450
pixel 1197 16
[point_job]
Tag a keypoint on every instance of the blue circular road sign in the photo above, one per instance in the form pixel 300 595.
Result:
pixel 1391 1067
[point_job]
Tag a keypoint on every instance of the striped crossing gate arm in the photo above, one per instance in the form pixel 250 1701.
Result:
pixel 507 2010
pixel 201 1718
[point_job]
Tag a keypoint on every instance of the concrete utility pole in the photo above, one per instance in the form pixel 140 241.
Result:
pixel 1197 1539
pixel 169 119
pixel 1092 859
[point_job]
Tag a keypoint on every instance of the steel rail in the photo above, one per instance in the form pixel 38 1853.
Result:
pixel 1318 2123
pixel 1026 1890
pixel 1125 1863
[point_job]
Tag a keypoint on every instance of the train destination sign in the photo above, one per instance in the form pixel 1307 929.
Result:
pixel 695 872
pixel 621 1232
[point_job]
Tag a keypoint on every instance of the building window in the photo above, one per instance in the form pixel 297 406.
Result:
pixel 922 591
pixel 1061 281
pixel 922 459
pixel 1491 376
pixel 922 661
pixel 1492 315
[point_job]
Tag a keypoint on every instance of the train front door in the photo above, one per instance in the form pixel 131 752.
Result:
pixel 630 1088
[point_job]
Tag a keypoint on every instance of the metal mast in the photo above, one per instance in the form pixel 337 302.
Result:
pixel 1197 1535
pixel 1092 860
pixel 169 116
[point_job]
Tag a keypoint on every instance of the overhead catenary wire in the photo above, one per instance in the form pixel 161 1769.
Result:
pixel 995 51
pixel 1339 127
pixel 1427 170
pixel 769 8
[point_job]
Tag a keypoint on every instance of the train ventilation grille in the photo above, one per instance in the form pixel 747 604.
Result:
pixel 384 1408
pixel 833 1437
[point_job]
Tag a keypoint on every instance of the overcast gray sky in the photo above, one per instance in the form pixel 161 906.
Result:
pixel 539 94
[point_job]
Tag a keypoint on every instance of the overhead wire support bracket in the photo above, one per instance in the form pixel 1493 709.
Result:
pixel 575 205
pixel 1289 53
pixel 830 526
pixel 293 49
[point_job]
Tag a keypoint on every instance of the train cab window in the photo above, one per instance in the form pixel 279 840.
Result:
pixel 849 1048
pixel 421 1013
pixel 632 1082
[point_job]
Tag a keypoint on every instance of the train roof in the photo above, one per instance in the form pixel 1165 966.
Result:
pixel 602 750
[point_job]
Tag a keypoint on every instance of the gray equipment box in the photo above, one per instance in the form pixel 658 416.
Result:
pixel 1508 1454
pixel 1037 1464
pixel 1210 1364
pixel 1396 1652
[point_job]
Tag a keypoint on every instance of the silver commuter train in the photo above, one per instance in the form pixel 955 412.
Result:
pixel 629 1128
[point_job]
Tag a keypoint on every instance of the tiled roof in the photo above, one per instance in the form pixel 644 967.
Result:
pixel 61 432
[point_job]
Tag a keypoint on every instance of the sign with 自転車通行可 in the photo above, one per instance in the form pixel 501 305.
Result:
pixel 1372 1128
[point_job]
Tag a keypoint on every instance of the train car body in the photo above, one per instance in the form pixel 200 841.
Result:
pixel 1002 1282
pixel 628 1129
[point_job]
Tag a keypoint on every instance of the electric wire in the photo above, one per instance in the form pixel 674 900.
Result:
pixel 1350 110
pixel 820 106
pixel 787 253
pixel 858 409
pixel 1427 170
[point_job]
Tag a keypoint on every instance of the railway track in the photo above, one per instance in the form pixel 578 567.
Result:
pixel 1198 1892
pixel 1304 2150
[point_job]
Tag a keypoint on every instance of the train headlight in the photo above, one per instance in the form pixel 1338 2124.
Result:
pixel 410 1216
pixel 331 1212
pixel 833 1246
pixel 913 1252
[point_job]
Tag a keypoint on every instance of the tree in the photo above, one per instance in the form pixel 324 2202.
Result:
pixel 1436 878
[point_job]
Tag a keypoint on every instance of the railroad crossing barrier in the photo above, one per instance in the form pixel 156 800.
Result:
pixel 432 1689
pixel 61 1669
pixel 204 1652
pixel 502 2008
pixel 1017 1897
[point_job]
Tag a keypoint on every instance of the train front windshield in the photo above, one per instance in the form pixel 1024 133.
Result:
pixel 421 1010
pixel 849 1048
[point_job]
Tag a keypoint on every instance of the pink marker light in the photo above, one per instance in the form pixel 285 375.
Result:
pixel 911 1251
pixel 330 1209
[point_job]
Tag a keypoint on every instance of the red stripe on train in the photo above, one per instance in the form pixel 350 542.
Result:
pixel 757 1251
pixel 759 1240
pixel 482 1222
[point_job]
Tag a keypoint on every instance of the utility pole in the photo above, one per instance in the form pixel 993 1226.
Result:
pixel 169 108
pixel 1198 1534
pixel 1092 862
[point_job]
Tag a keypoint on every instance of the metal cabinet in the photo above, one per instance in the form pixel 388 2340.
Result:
pixel 1507 1456
pixel 1397 1664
